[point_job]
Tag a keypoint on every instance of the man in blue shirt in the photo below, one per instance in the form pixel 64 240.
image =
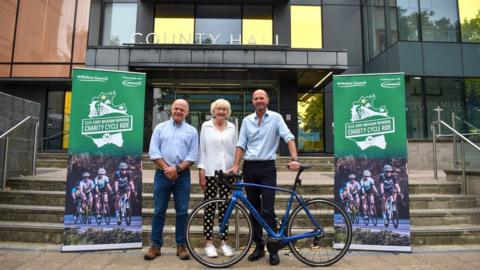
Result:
pixel 257 144
pixel 173 148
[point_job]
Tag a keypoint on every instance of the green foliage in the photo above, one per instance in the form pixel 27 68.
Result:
pixel 380 238
pixel 73 236
pixel 471 29
pixel 313 116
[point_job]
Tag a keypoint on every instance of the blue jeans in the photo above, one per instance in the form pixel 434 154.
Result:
pixel 162 189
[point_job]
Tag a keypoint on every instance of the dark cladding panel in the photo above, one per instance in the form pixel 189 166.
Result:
pixel 238 57
pixel 207 56
pixel 322 58
pixel 471 60
pixel 270 57
pixel 297 58
pixel 342 33
pixel 107 57
pixel 410 56
pixel 341 2
pixel 176 56
pixel 140 55
pixel 442 59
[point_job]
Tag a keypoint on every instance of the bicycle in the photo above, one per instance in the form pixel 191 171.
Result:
pixel 391 209
pixel 302 229
pixel 104 211
pixel 125 209
pixel 351 208
pixel 86 215
pixel 371 211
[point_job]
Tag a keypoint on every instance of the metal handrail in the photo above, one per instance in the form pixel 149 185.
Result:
pixel 462 149
pixel 54 136
pixel 6 136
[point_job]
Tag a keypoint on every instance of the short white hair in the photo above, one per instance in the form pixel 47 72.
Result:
pixel 221 103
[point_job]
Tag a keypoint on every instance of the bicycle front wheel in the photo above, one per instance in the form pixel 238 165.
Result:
pixel 204 224
pixel 327 248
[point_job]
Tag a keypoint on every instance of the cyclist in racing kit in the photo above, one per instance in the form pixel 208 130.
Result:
pixel 342 192
pixel 353 188
pixel 86 190
pixel 102 185
pixel 367 189
pixel 123 185
pixel 76 195
pixel 388 187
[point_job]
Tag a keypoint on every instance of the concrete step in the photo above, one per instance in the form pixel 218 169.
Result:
pixel 51 163
pixel 39 183
pixel 57 198
pixel 52 233
pixel 418 217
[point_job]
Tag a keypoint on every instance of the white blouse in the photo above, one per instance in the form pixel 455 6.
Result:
pixel 216 148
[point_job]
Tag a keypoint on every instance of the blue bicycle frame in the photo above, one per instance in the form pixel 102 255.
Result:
pixel 238 194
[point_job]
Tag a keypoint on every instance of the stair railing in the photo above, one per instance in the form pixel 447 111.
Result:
pixel 438 124
pixel 6 136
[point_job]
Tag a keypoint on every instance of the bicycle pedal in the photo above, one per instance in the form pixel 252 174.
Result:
pixel 275 244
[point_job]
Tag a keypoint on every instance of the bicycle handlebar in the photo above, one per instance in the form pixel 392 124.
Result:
pixel 223 178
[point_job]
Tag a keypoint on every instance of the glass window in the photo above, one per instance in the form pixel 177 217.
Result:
pixel 119 22
pixel 218 24
pixel 81 31
pixel 8 11
pixel 174 24
pixel 472 101
pixel 44 31
pixel 415 114
pixel 376 30
pixel 306 26
pixel 470 20
pixel 392 33
pixel 257 25
pixel 407 12
pixel 310 122
pixel 439 19
pixel 446 94
pixel 67 106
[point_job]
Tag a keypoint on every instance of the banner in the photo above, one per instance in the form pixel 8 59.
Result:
pixel 104 173
pixel 370 145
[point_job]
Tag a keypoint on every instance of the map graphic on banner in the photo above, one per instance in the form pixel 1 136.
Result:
pixel 103 203
pixel 370 145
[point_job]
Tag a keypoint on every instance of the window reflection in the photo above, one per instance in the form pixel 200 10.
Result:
pixel 119 23
pixel 415 115
pixel 439 20
pixel 217 24
pixel 407 11
pixel 310 122
pixel 469 20
pixel 472 101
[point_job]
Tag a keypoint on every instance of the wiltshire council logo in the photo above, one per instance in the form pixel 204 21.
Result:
pixel 369 124
pixel 106 121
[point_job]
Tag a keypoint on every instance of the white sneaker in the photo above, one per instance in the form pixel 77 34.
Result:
pixel 211 251
pixel 226 250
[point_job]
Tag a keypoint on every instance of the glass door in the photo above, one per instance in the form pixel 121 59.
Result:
pixel 311 137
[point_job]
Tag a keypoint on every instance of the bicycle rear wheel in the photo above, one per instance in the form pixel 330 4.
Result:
pixel 128 212
pixel 326 249
pixel 207 215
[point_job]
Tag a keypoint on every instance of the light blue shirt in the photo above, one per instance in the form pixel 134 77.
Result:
pixel 174 143
pixel 260 142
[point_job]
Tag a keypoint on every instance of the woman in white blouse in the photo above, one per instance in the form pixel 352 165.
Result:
pixel 218 138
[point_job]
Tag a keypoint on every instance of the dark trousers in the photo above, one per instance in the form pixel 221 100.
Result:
pixel 263 173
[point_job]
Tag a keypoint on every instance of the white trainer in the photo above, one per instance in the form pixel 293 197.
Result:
pixel 211 251
pixel 226 250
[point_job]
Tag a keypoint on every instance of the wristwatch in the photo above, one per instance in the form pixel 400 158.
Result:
pixel 295 159
pixel 179 170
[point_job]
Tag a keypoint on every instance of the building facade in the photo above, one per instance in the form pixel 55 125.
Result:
pixel 201 50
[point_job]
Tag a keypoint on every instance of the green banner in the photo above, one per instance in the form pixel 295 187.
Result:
pixel 103 206
pixel 370 145
pixel 107 112
pixel 369 115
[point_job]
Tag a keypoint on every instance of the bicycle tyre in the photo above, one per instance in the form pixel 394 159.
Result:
pixel 387 218
pixel 107 214
pixel 330 212
pixel 365 217
pixel 395 215
pixel 128 212
pixel 373 214
pixel 194 234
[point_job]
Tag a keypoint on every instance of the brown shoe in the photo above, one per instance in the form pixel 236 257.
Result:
pixel 182 253
pixel 152 253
